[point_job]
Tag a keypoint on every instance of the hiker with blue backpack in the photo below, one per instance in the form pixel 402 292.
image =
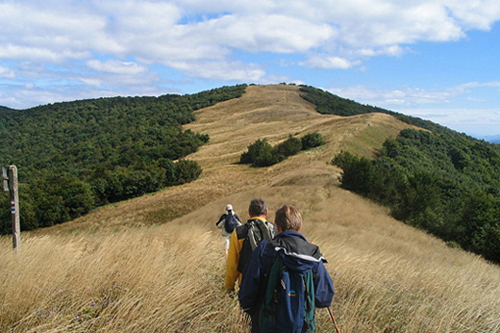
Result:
pixel 245 239
pixel 285 280
pixel 228 222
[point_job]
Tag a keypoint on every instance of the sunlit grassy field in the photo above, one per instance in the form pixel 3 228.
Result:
pixel 169 278
pixel 155 263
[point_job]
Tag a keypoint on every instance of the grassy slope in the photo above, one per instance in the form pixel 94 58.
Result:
pixel 103 273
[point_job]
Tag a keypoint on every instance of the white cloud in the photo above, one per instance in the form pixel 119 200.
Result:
pixel 398 98
pixel 39 54
pixel 269 32
pixel 205 40
pixel 392 50
pixel 330 63
pixel 471 85
pixel 51 34
pixel 7 73
pixel 473 121
pixel 117 67
pixel 475 14
pixel 432 105
pixel 411 97
pixel 154 29
pixel 218 70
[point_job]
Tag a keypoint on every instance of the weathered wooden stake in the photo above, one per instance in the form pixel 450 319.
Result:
pixel 14 207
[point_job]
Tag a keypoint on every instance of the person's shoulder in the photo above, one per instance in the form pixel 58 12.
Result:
pixel 264 249
pixel 242 230
pixel 261 222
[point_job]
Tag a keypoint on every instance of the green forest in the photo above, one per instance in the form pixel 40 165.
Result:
pixel 75 156
pixel 436 179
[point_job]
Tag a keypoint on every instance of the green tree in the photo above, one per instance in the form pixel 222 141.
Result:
pixel 260 153
pixel 358 173
pixel 312 140
pixel 289 147
pixel 187 171
pixel 480 226
pixel 171 172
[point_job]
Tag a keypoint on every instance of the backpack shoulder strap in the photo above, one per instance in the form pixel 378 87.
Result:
pixel 268 307
pixel 245 232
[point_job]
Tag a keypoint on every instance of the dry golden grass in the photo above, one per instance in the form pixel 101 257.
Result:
pixel 155 263
pixel 148 280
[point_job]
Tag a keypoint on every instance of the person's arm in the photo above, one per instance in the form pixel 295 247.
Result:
pixel 221 219
pixel 233 257
pixel 323 286
pixel 238 221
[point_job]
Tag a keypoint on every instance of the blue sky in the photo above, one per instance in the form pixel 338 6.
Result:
pixel 433 59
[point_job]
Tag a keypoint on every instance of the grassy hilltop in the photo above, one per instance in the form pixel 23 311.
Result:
pixel 155 263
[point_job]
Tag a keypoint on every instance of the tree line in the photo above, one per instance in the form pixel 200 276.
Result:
pixel 75 156
pixel 439 180
pixel 328 103
pixel 446 187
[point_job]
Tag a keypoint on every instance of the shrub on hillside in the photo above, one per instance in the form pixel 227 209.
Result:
pixel 261 153
pixel 312 140
pixel 170 168
pixel 260 150
pixel 289 147
pixel 187 171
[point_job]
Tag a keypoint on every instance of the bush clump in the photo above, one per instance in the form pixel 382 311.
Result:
pixel 312 140
pixel 262 154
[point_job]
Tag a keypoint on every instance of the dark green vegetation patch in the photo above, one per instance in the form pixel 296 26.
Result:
pixel 75 156
pixel 441 181
pixel 262 154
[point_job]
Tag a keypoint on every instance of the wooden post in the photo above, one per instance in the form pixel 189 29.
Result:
pixel 14 207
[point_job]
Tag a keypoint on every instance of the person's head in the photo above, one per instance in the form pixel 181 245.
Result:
pixel 229 208
pixel 288 218
pixel 257 208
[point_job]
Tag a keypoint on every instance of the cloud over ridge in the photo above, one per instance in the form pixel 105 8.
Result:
pixel 143 47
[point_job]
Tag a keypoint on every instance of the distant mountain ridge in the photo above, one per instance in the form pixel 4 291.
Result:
pixel 144 135
pixel 328 103
pixel 155 263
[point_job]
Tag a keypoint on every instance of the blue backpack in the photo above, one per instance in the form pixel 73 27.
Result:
pixel 230 223
pixel 288 305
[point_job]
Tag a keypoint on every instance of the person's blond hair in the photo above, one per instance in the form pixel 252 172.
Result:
pixel 288 218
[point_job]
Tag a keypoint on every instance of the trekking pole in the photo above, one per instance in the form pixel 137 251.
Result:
pixel 333 320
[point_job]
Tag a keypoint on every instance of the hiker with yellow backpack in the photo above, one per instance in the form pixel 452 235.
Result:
pixel 245 239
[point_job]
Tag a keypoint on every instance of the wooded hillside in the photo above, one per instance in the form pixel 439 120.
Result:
pixel 439 180
pixel 80 155
pixel 155 263
pixel 75 156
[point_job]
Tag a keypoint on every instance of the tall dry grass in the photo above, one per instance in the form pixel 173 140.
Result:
pixel 158 279
pixel 393 278
pixel 115 271
pixel 169 278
